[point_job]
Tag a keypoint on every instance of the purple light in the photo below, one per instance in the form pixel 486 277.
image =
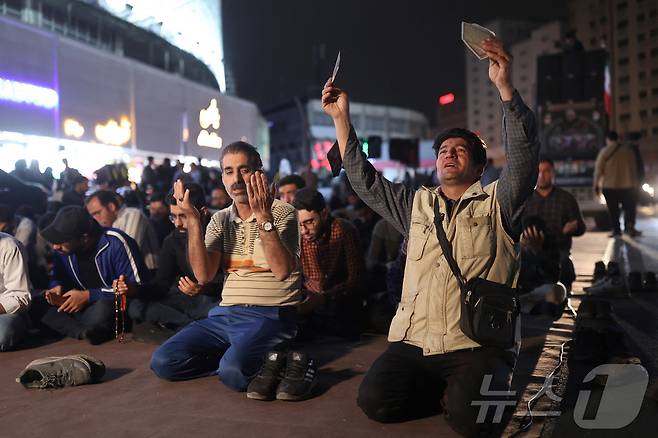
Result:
pixel 21 92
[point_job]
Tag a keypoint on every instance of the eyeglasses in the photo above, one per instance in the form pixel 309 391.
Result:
pixel 174 217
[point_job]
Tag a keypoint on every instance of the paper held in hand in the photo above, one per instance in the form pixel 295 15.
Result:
pixel 472 36
pixel 336 67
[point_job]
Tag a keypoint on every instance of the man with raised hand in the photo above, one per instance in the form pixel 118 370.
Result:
pixel 429 359
pixel 255 242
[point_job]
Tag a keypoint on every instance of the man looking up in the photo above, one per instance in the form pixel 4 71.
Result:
pixel 429 358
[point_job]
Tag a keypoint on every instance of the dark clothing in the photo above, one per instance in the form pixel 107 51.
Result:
pixel 403 384
pixel 173 264
pixel 71 197
pixel 162 227
pixel 541 267
pixel 87 272
pixel 627 198
pixel 556 209
pixel 97 316
pixel 162 302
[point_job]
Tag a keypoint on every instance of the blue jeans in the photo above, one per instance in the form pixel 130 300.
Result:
pixel 230 343
pixel 13 329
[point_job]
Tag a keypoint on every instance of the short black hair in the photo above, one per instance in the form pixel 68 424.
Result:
pixel 197 195
pixel 105 197
pixel 293 179
pixel 309 199
pixel 612 135
pixel 547 160
pixel 157 197
pixel 475 144
pixel 242 147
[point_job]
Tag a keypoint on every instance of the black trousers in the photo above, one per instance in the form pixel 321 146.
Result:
pixel 175 311
pixel 627 198
pixel 402 384
pixel 98 316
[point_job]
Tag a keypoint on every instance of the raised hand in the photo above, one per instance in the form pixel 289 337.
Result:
pixel 188 287
pixel 334 101
pixel 260 196
pixel 500 62
pixel 182 197
pixel 533 239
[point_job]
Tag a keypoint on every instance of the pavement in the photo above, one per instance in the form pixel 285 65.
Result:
pixel 131 402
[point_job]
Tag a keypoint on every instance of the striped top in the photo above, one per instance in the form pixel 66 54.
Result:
pixel 248 277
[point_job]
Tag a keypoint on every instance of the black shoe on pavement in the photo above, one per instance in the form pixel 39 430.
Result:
pixel 60 371
pixel 263 386
pixel 96 335
pixel 600 271
pixel 300 378
pixel 615 234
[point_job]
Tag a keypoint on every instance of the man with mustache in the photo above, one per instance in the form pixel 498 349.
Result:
pixel 255 242
pixel 430 362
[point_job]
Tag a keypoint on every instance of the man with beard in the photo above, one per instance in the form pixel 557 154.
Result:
pixel 89 261
pixel 332 264
pixel 430 361
pixel 561 214
pixel 175 298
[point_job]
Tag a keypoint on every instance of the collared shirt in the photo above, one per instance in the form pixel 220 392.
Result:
pixel 248 276
pixel 333 263
pixel 556 209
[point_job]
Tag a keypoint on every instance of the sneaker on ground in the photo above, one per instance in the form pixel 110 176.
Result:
pixel 613 286
pixel 300 378
pixel 263 386
pixel 61 371
pixel 633 232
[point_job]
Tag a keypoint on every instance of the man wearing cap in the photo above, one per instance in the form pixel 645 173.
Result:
pixel 88 260
pixel 430 362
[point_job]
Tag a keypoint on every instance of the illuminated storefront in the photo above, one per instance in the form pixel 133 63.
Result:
pixel 63 99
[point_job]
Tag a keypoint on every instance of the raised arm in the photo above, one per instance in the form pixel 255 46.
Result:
pixel 518 178
pixel 391 201
pixel 204 263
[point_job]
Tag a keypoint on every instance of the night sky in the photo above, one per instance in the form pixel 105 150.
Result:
pixel 403 53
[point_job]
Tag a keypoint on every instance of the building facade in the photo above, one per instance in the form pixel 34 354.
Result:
pixel 526 42
pixel 628 29
pixel 77 82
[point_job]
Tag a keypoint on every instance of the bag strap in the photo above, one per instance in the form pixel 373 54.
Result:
pixel 446 247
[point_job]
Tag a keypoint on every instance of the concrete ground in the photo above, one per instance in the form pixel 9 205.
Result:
pixel 131 401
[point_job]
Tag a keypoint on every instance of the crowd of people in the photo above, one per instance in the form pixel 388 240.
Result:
pixel 230 275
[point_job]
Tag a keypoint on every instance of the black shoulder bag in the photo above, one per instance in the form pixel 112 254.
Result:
pixel 488 309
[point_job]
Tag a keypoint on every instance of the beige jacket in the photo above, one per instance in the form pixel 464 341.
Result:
pixel 428 314
pixel 617 169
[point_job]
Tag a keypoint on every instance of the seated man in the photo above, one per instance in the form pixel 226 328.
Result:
pixel 106 207
pixel 159 216
pixel 175 298
pixel 88 260
pixel 431 362
pixel 288 185
pixel 539 286
pixel 14 293
pixel 256 243
pixel 561 213
pixel 219 199
pixel 25 231
pixel 332 264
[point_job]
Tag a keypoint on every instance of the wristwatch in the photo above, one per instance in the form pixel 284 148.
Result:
pixel 267 226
